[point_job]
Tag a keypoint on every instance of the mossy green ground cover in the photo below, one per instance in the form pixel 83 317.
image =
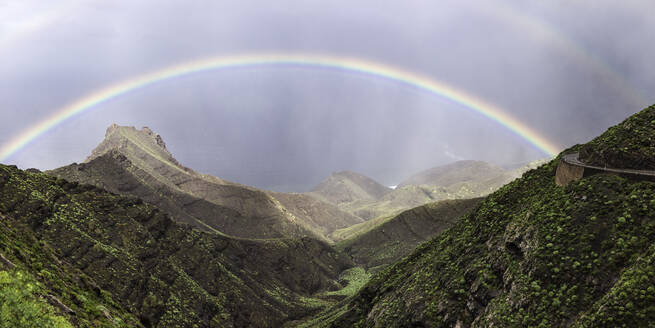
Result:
pixel 116 261
pixel 353 279
pixel 532 254
pixel 629 145
pixel 380 242
pixel 20 305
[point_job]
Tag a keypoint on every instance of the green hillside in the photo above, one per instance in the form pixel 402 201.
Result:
pixel 533 254
pixel 35 283
pixel 629 145
pixel 111 258
pixel 382 241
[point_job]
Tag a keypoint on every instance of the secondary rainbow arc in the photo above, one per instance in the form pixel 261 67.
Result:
pixel 309 60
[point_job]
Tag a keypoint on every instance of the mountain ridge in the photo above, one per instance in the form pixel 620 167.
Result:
pixel 140 165
pixel 382 241
pixel 164 273
pixel 348 186
pixel 531 254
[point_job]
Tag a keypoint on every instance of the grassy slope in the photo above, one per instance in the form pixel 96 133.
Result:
pixel 532 254
pixel 629 145
pixel 31 271
pixel 20 305
pixel 165 274
pixel 381 242
pixel 403 198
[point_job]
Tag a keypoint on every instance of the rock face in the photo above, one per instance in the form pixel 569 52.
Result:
pixel 567 173
pixel 532 254
pixel 136 162
pixel 106 257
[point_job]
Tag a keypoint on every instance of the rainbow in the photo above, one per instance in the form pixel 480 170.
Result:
pixel 548 33
pixel 304 60
pixel 538 28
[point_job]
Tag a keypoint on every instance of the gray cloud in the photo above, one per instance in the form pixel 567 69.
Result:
pixel 562 67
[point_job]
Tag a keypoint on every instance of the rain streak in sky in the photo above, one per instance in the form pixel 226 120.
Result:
pixel 566 70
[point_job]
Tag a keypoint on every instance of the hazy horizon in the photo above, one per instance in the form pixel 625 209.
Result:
pixel 567 70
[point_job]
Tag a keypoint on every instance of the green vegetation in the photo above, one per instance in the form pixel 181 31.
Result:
pixel 116 261
pixel 353 279
pixel 629 145
pixel 21 307
pixel 357 230
pixel 382 241
pixel 533 254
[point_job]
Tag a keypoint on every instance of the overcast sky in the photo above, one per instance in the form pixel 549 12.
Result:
pixel 568 69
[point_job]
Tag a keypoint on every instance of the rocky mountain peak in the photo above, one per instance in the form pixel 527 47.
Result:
pixel 132 142
pixel 111 129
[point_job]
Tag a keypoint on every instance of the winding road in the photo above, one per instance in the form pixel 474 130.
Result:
pixel 573 159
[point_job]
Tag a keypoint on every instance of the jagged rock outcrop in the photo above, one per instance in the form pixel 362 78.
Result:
pixel 136 162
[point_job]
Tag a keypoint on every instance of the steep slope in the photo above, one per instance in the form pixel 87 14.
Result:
pixel 321 217
pixel 532 254
pixel 382 241
pixel 163 273
pixel 455 173
pixel 629 145
pixel 39 289
pixel 114 172
pixel 347 187
pixel 406 197
pixel 136 162
pixel 459 180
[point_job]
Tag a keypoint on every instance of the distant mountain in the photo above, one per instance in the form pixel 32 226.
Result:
pixel 136 162
pixel 104 260
pixel 384 240
pixel 459 180
pixel 347 187
pixel 533 253
pixel 322 218
pixel 455 173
